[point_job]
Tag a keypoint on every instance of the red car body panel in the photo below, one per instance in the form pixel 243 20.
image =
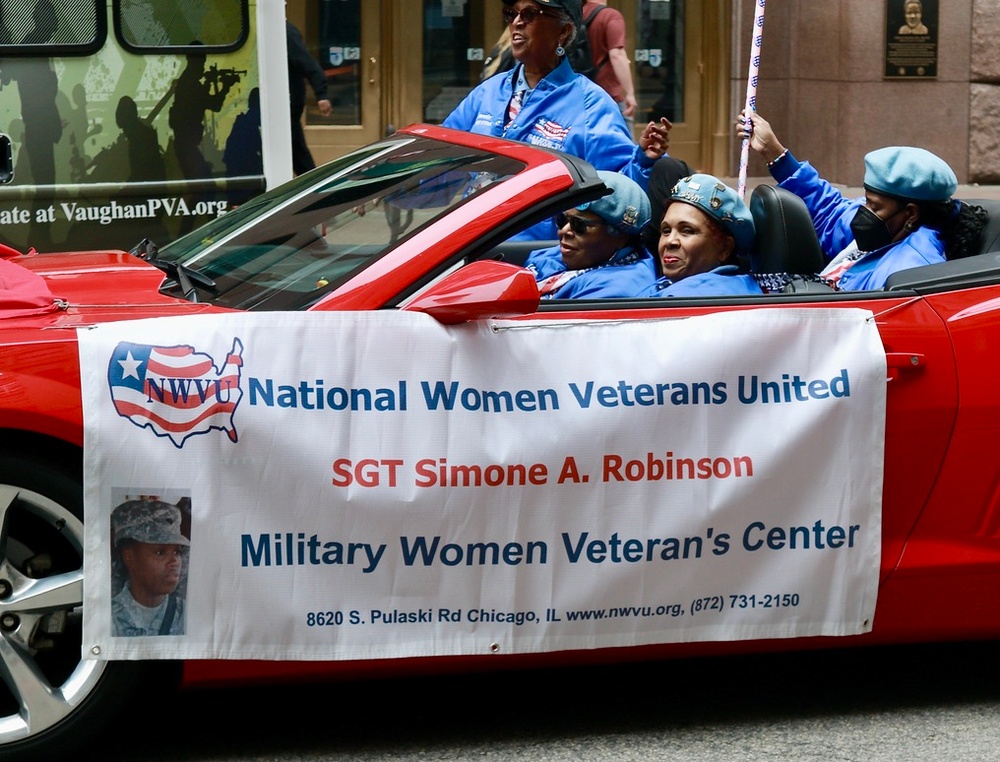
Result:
pixel 922 404
pixel 940 573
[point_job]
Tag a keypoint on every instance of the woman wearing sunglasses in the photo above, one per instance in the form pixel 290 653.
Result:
pixel 706 235
pixel 600 254
pixel 542 101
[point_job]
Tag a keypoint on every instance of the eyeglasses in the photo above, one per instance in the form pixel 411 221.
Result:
pixel 577 224
pixel 527 15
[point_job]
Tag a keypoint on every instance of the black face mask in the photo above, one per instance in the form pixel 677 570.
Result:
pixel 870 231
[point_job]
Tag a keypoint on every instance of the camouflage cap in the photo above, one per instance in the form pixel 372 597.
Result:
pixel 151 521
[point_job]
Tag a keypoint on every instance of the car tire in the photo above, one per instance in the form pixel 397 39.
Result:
pixel 52 702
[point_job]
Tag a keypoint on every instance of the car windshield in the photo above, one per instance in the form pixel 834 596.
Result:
pixel 288 247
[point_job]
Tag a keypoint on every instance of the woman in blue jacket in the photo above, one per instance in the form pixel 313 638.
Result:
pixel 907 217
pixel 706 235
pixel 600 254
pixel 543 102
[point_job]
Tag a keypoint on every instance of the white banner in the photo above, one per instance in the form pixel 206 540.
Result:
pixel 365 485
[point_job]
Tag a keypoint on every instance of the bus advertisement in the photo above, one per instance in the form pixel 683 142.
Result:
pixel 135 119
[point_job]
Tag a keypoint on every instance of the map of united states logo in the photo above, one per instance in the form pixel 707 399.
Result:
pixel 177 392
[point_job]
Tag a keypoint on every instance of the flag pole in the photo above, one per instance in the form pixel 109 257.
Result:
pixel 751 101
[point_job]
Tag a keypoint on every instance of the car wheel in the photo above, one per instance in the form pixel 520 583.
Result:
pixel 51 700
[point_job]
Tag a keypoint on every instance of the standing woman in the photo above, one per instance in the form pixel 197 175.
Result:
pixel 543 102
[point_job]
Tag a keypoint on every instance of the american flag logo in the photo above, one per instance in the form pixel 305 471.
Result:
pixel 552 130
pixel 175 391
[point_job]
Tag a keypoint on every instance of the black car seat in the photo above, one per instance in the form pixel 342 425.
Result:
pixel 786 240
pixel 786 244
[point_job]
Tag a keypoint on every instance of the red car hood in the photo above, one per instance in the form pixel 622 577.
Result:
pixel 85 287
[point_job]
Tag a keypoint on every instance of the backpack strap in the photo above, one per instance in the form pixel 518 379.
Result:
pixel 586 29
pixel 586 21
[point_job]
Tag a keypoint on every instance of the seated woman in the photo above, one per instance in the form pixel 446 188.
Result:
pixel 599 253
pixel 907 217
pixel 705 237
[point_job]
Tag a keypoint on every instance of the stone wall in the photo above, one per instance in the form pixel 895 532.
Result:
pixel 823 86
pixel 984 96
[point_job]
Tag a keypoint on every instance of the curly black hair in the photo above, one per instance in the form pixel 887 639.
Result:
pixel 961 223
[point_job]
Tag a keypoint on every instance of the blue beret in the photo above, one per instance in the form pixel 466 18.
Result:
pixel 721 203
pixel 627 207
pixel 909 173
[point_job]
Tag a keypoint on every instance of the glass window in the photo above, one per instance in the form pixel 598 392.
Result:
pixel 448 74
pixel 338 51
pixel 659 60
pixel 47 29
pixel 288 247
pixel 216 26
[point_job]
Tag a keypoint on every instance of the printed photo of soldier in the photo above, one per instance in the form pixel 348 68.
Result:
pixel 149 557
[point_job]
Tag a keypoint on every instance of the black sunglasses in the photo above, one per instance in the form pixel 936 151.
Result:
pixel 527 15
pixel 578 225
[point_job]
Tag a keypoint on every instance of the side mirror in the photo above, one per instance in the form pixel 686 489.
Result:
pixel 480 290
pixel 6 160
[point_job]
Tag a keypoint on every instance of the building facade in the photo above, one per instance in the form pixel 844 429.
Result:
pixel 836 79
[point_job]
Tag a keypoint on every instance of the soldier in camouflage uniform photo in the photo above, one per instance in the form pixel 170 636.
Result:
pixel 149 554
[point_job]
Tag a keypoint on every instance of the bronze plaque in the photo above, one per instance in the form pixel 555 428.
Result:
pixel 911 38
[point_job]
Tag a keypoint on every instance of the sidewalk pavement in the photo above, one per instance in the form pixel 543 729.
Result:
pixel 964 192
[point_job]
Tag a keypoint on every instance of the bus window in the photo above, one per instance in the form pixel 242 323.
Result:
pixel 150 25
pixel 41 27
pixel 6 160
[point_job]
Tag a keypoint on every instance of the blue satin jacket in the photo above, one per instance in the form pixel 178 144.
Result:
pixel 726 280
pixel 630 270
pixel 832 213
pixel 565 111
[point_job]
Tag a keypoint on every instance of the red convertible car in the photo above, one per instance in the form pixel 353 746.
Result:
pixel 425 221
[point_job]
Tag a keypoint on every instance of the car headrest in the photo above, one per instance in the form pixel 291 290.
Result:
pixel 786 240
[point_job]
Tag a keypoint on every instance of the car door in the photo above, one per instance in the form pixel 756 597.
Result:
pixel 922 390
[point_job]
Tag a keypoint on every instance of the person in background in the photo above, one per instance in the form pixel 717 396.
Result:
pixel 608 44
pixel 145 158
pixel 302 67
pixel 706 235
pixel 244 151
pixel 196 94
pixel 500 58
pixel 600 254
pixel 542 101
pixel 907 217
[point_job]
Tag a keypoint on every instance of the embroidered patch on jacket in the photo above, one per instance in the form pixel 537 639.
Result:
pixel 551 130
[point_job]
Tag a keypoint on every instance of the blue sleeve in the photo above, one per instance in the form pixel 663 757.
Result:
pixel 609 144
pixel 478 110
pixel 301 61
pixel 830 211
pixel 464 115
pixel 597 284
